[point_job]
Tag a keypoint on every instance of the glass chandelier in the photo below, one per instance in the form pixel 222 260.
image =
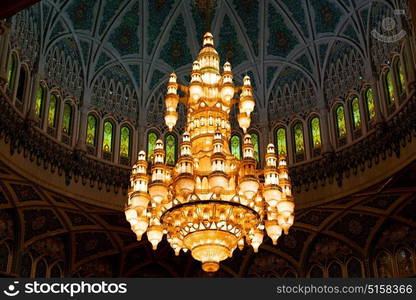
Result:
pixel 210 202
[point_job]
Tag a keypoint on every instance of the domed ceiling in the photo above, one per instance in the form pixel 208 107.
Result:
pixel 116 54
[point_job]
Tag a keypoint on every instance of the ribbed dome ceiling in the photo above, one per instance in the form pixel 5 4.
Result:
pixel 290 47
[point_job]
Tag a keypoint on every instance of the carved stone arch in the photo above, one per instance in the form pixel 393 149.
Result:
pixel 383 264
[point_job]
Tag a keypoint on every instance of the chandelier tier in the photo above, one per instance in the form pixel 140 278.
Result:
pixel 210 202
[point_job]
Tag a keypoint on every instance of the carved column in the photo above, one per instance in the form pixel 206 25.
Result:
pixel 325 133
pixel 82 130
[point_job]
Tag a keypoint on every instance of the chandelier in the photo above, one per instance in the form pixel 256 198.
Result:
pixel 210 202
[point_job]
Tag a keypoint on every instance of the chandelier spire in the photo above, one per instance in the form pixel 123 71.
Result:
pixel 210 202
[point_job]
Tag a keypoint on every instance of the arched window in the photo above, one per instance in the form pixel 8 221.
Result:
pixel 40 269
pixel 316 272
pixel 401 81
pixel 108 139
pixel 40 102
pixel 340 122
pixel 334 270
pixel 315 132
pixel 388 77
pixel 151 144
pixel 52 111
pixel 369 99
pixel 384 265
pixel 405 262
pixel 125 141
pixel 56 271
pixel 281 141
pixel 235 145
pixel 170 149
pixel 67 119
pixel 355 111
pixel 255 140
pixel 20 94
pixel 11 71
pixel 91 139
pixel 299 141
pixel 354 269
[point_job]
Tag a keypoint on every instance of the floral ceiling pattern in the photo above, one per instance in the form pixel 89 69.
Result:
pixel 130 46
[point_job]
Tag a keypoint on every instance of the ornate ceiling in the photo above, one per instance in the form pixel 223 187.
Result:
pixel 127 48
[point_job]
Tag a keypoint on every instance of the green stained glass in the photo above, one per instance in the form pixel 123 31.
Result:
pixel 401 80
pixel 255 140
pixel 67 120
pixel 356 118
pixel 151 144
pixel 281 141
pixel 389 88
pixel 370 104
pixel 108 136
pixel 340 117
pixel 53 103
pixel 316 133
pixel 91 130
pixel 11 71
pixel 125 141
pixel 299 141
pixel 170 149
pixel 39 102
pixel 236 146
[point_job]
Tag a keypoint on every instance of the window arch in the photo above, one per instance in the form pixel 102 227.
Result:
pixel 151 144
pixel 56 271
pixel 315 133
pixel 91 139
pixel 67 119
pixel 405 264
pixel 340 122
pixel 41 267
pixel 281 141
pixel 170 149
pixel 355 113
pixel 20 94
pixel 316 272
pixel 335 270
pixel 235 145
pixel 354 269
pixel 11 71
pixel 53 111
pixel 369 99
pixel 255 140
pixel 40 102
pixel 108 136
pixel 388 79
pixel 125 141
pixel 299 141
pixel 401 80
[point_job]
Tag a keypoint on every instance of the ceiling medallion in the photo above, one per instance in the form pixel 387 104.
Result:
pixel 210 202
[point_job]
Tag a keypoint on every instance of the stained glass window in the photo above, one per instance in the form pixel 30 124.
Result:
pixel 340 121
pixel 67 121
pixel 91 130
pixel 170 149
pixel 316 133
pixel 151 143
pixel 356 118
pixel 255 140
pixel 281 141
pixel 20 94
pixel 236 146
pixel 125 141
pixel 108 136
pixel 11 71
pixel 298 136
pixel 371 112
pixel 389 87
pixel 401 82
pixel 53 103
pixel 39 101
